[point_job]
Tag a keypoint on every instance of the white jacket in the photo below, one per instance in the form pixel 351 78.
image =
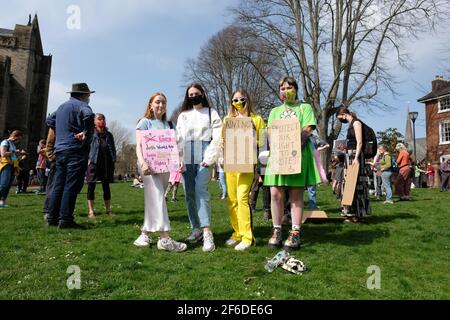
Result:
pixel 195 125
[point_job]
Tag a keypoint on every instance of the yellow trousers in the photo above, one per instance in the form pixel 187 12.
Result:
pixel 238 189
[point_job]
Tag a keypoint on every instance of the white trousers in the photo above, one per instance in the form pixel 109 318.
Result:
pixel 156 217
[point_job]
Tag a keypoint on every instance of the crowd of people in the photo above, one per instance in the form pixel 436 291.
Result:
pixel 79 146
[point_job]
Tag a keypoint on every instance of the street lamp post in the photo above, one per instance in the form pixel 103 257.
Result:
pixel 413 116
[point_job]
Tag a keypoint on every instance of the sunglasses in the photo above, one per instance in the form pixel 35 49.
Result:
pixel 241 100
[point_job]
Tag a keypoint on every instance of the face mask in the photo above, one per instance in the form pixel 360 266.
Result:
pixel 240 106
pixel 343 120
pixel 288 95
pixel 195 101
pixel 100 123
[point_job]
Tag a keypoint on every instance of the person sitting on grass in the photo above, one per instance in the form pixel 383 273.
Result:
pixel 137 182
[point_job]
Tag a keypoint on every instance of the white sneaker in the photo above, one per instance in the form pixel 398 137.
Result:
pixel 142 241
pixel 171 245
pixel 242 246
pixel 208 242
pixel 231 242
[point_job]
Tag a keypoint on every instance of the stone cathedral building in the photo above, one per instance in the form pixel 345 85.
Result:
pixel 24 84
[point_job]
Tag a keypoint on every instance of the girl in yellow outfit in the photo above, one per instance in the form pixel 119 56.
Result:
pixel 238 183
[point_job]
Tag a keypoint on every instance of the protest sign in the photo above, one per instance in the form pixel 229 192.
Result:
pixel 285 147
pixel 239 145
pixel 160 151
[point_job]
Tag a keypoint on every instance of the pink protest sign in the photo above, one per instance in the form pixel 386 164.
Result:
pixel 160 151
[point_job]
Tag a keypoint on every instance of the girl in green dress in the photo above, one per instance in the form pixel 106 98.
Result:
pixel 294 183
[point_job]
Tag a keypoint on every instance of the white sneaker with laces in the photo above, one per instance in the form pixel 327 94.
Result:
pixel 242 246
pixel 171 245
pixel 208 242
pixel 231 242
pixel 142 241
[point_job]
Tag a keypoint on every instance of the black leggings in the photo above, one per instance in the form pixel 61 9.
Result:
pixel 106 191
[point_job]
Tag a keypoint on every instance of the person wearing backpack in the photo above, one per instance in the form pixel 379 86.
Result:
pixel 359 147
pixel 9 164
pixel 386 173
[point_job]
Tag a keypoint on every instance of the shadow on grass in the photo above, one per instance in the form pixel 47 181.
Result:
pixel 328 234
pixel 374 219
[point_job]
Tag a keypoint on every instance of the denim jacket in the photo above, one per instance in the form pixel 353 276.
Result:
pixel 95 146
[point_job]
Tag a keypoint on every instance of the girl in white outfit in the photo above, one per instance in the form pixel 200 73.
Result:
pixel 156 216
pixel 199 129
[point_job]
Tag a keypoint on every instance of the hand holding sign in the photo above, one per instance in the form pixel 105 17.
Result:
pixel 285 147
pixel 160 151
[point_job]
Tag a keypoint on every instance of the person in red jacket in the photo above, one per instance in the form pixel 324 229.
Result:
pixel 403 183
pixel 430 175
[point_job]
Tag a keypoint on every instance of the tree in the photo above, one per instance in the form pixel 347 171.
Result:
pixel 234 58
pixel 389 138
pixel 126 160
pixel 122 135
pixel 340 50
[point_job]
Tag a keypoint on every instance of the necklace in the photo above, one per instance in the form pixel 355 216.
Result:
pixel 288 113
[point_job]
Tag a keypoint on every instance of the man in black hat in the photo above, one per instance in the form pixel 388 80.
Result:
pixel 73 125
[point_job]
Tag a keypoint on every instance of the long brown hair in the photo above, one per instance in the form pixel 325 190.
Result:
pixel 149 114
pixel 186 105
pixel 249 104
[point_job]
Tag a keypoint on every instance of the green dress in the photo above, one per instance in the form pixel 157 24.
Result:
pixel 309 174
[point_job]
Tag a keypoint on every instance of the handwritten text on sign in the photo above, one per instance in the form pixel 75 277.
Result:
pixel 285 147
pixel 160 151
pixel 240 145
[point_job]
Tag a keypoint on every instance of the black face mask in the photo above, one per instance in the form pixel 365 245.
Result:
pixel 343 120
pixel 195 100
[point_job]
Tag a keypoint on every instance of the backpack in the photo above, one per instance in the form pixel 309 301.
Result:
pixel 394 164
pixel 370 144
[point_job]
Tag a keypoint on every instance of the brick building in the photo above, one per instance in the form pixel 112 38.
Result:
pixel 437 110
pixel 24 84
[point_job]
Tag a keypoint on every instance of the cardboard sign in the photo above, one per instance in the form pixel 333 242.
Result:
pixel 285 147
pixel 239 145
pixel 160 151
pixel 350 184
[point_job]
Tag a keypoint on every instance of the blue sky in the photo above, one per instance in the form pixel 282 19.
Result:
pixel 128 50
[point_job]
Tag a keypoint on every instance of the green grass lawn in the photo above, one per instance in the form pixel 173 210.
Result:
pixel 408 241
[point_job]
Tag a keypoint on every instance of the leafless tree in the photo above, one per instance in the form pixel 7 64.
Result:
pixel 126 160
pixel 341 50
pixel 235 58
pixel 122 135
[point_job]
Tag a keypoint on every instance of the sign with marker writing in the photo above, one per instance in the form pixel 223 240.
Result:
pixel 239 145
pixel 160 151
pixel 285 147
